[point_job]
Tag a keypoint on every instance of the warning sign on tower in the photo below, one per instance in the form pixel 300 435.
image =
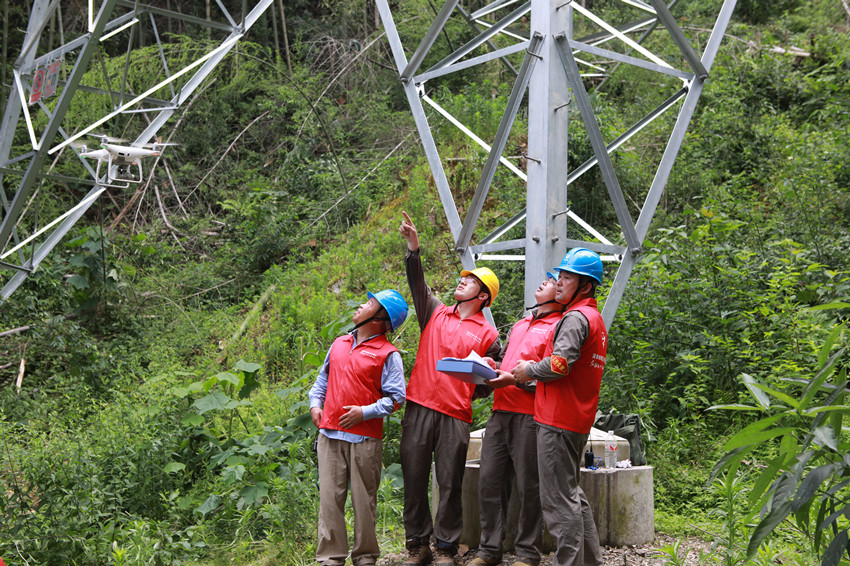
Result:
pixel 44 82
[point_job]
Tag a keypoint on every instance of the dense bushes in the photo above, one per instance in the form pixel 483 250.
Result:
pixel 129 443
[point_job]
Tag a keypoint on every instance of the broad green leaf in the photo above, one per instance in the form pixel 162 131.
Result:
pixel 740 440
pixel 736 407
pixel 235 460
pixel 250 383
pixel 181 392
pixel 192 420
pixel 258 449
pixel 835 516
pixel 765 479
pixel 835 550
pixel 824 436
pixel 305 421
pixel 803 516
pixel 313 359
pixel 210 504
pixel 79 282
pixel 829 343
pixel 254 493
pixel 173 467
pixel 769 522
pixel 247 367
pixel 210 383
pixel 731 459
pixel 788 448
pixel 830 306
pixel 233 474
pixel 836 419
pixel 228 377
pixel 782 396
pixel 833 409
pixel 822 375
pixel 214 401
pixel 810 484
pixel 750 383
pixel 761 424
pixel 224 456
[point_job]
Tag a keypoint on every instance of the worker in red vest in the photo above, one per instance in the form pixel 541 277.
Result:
pixel 436 419
pixel 360 382
pixel 509 446
pixel 568 381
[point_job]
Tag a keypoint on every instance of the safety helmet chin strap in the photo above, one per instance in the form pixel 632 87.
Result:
pixel 368 320
pixel 538 305
pixel 481 289
pixel 579 287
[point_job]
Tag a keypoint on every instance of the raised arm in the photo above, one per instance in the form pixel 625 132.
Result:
pixel 424 302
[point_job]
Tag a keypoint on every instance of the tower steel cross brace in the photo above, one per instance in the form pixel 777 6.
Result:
pixel 21 254
pixel 551 74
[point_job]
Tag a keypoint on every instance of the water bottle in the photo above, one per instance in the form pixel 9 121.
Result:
pixel 610 450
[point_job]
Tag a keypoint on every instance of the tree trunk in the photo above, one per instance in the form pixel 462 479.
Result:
pixel 285 38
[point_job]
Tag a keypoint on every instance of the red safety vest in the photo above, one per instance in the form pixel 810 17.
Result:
pixel 448 336
pixel 570 402
pixel 354 378
pixel 528 341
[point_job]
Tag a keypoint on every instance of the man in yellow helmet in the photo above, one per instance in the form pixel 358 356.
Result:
pixel 438 410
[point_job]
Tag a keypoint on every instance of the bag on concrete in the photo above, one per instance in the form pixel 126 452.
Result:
pixel 625 426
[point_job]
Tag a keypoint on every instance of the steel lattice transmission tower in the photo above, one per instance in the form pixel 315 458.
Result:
pixel 551 72
pixel 44 92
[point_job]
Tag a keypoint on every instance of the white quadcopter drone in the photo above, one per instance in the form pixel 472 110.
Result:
pixel 123 162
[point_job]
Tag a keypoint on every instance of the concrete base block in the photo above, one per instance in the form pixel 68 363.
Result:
pixel 622 501
pixel 623 504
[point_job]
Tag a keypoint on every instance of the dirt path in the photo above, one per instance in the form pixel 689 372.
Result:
pixel 641 555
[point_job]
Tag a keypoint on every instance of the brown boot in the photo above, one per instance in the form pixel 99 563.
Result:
pixel 418 552
pixel 444 557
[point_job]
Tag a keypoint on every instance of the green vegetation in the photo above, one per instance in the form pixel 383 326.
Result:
pixel 162 415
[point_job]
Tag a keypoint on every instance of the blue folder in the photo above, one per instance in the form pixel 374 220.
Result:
pixel 466 370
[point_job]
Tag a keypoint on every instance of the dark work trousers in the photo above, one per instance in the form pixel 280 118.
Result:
pixel 509 449
pixel 565 508
pixel 425 432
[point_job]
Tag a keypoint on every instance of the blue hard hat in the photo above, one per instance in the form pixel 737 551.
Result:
pixel 551 275
pixel 393 303
pixel 582 262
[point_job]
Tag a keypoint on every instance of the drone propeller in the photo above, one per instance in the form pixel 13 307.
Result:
pixel 109 139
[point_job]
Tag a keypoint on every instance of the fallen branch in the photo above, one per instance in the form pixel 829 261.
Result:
pixel 223 155
pixel 174 189
pixel 15 331
pixel 257 309
pixel 21 374
pixel 165 218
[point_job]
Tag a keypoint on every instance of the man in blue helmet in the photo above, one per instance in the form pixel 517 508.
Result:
pixel 509 447
pixel 568 382
pixel 360 382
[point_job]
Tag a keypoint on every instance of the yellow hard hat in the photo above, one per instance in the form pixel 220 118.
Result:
pixel 487 278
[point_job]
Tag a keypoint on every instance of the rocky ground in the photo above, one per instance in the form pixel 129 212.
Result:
pixel 640 555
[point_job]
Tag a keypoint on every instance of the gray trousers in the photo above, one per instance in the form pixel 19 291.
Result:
pixel 425 432
pixel 342 463
pixel 565 508
pixel 509 450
